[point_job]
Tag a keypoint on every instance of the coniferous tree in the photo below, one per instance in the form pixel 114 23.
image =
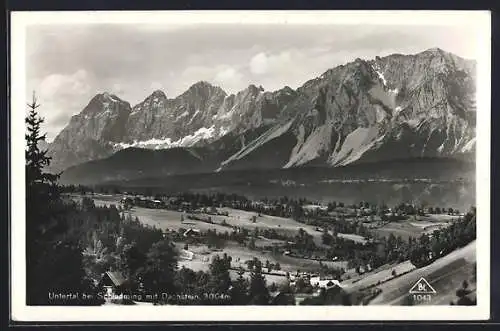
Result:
pixel 259 293
pixel 220 279
pixel 53 257
pixel 159 270
pixel 239 290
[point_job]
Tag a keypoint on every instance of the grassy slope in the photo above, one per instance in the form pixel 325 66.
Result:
pixel 445 275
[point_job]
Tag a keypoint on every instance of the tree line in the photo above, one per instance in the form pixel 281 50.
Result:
pixel 69 245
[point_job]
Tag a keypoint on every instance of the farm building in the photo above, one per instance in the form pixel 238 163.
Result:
pixel 113 282
pixel 186 255
pixel 192 233
pixel 324 283
pixel 158 203
pixel 315 208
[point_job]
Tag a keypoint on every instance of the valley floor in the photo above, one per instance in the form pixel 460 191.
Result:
pixel 394 280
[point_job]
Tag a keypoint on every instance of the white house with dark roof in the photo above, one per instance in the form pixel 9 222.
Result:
pixel 113 282
pixel 326 283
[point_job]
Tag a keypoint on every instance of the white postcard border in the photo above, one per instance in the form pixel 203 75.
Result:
pixel 20 312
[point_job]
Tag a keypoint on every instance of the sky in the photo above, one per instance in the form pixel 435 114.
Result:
pixel 67 64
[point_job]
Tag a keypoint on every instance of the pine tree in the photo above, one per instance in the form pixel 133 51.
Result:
pixel 159 270
pixel 220 279
pixel 133 259
pixel 259 293
pixel 36 159
pixel 239 290
pixel 54 261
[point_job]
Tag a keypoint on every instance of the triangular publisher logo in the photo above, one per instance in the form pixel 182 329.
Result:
pixel 422 287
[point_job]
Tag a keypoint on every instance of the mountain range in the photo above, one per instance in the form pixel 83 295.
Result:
pixel 393 107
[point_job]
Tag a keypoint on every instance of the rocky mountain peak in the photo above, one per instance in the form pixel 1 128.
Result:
pixel 287 89
pixel 253 89
pixel 203 88
pixel 285 92
pixel 159 94
pixel 153 102
pixel 104 102
pixel 417 105
pixel 435 51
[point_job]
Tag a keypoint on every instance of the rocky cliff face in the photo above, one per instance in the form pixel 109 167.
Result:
pixel 88 134
pixel 201 115
pixel 160 118
pixel 398 106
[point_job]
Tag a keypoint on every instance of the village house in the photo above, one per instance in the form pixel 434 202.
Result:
pixel 158 203
pixel 315 208
pixel 324 283
pixel 113 282
pixel 186 255
pixel 192 233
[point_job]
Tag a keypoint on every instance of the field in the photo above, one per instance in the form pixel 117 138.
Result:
pixel 445 275
pixel 168 219
pixel 380 275
pixel 353 237
pixel 203 256
pixel 415 226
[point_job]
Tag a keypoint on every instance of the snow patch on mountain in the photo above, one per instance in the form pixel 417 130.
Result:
pixel 189 140
pixel 150 144
pixel 383 93
pixel 200 134
pixel 379 74
pixel 194 116
pixel 381 77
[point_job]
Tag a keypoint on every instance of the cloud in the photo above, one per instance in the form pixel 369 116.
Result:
pixel 58 84
pixel 61 96
pixel 117 89
pixel 196 73
pixel 230 79
pixel 258 64
pixel 292 66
